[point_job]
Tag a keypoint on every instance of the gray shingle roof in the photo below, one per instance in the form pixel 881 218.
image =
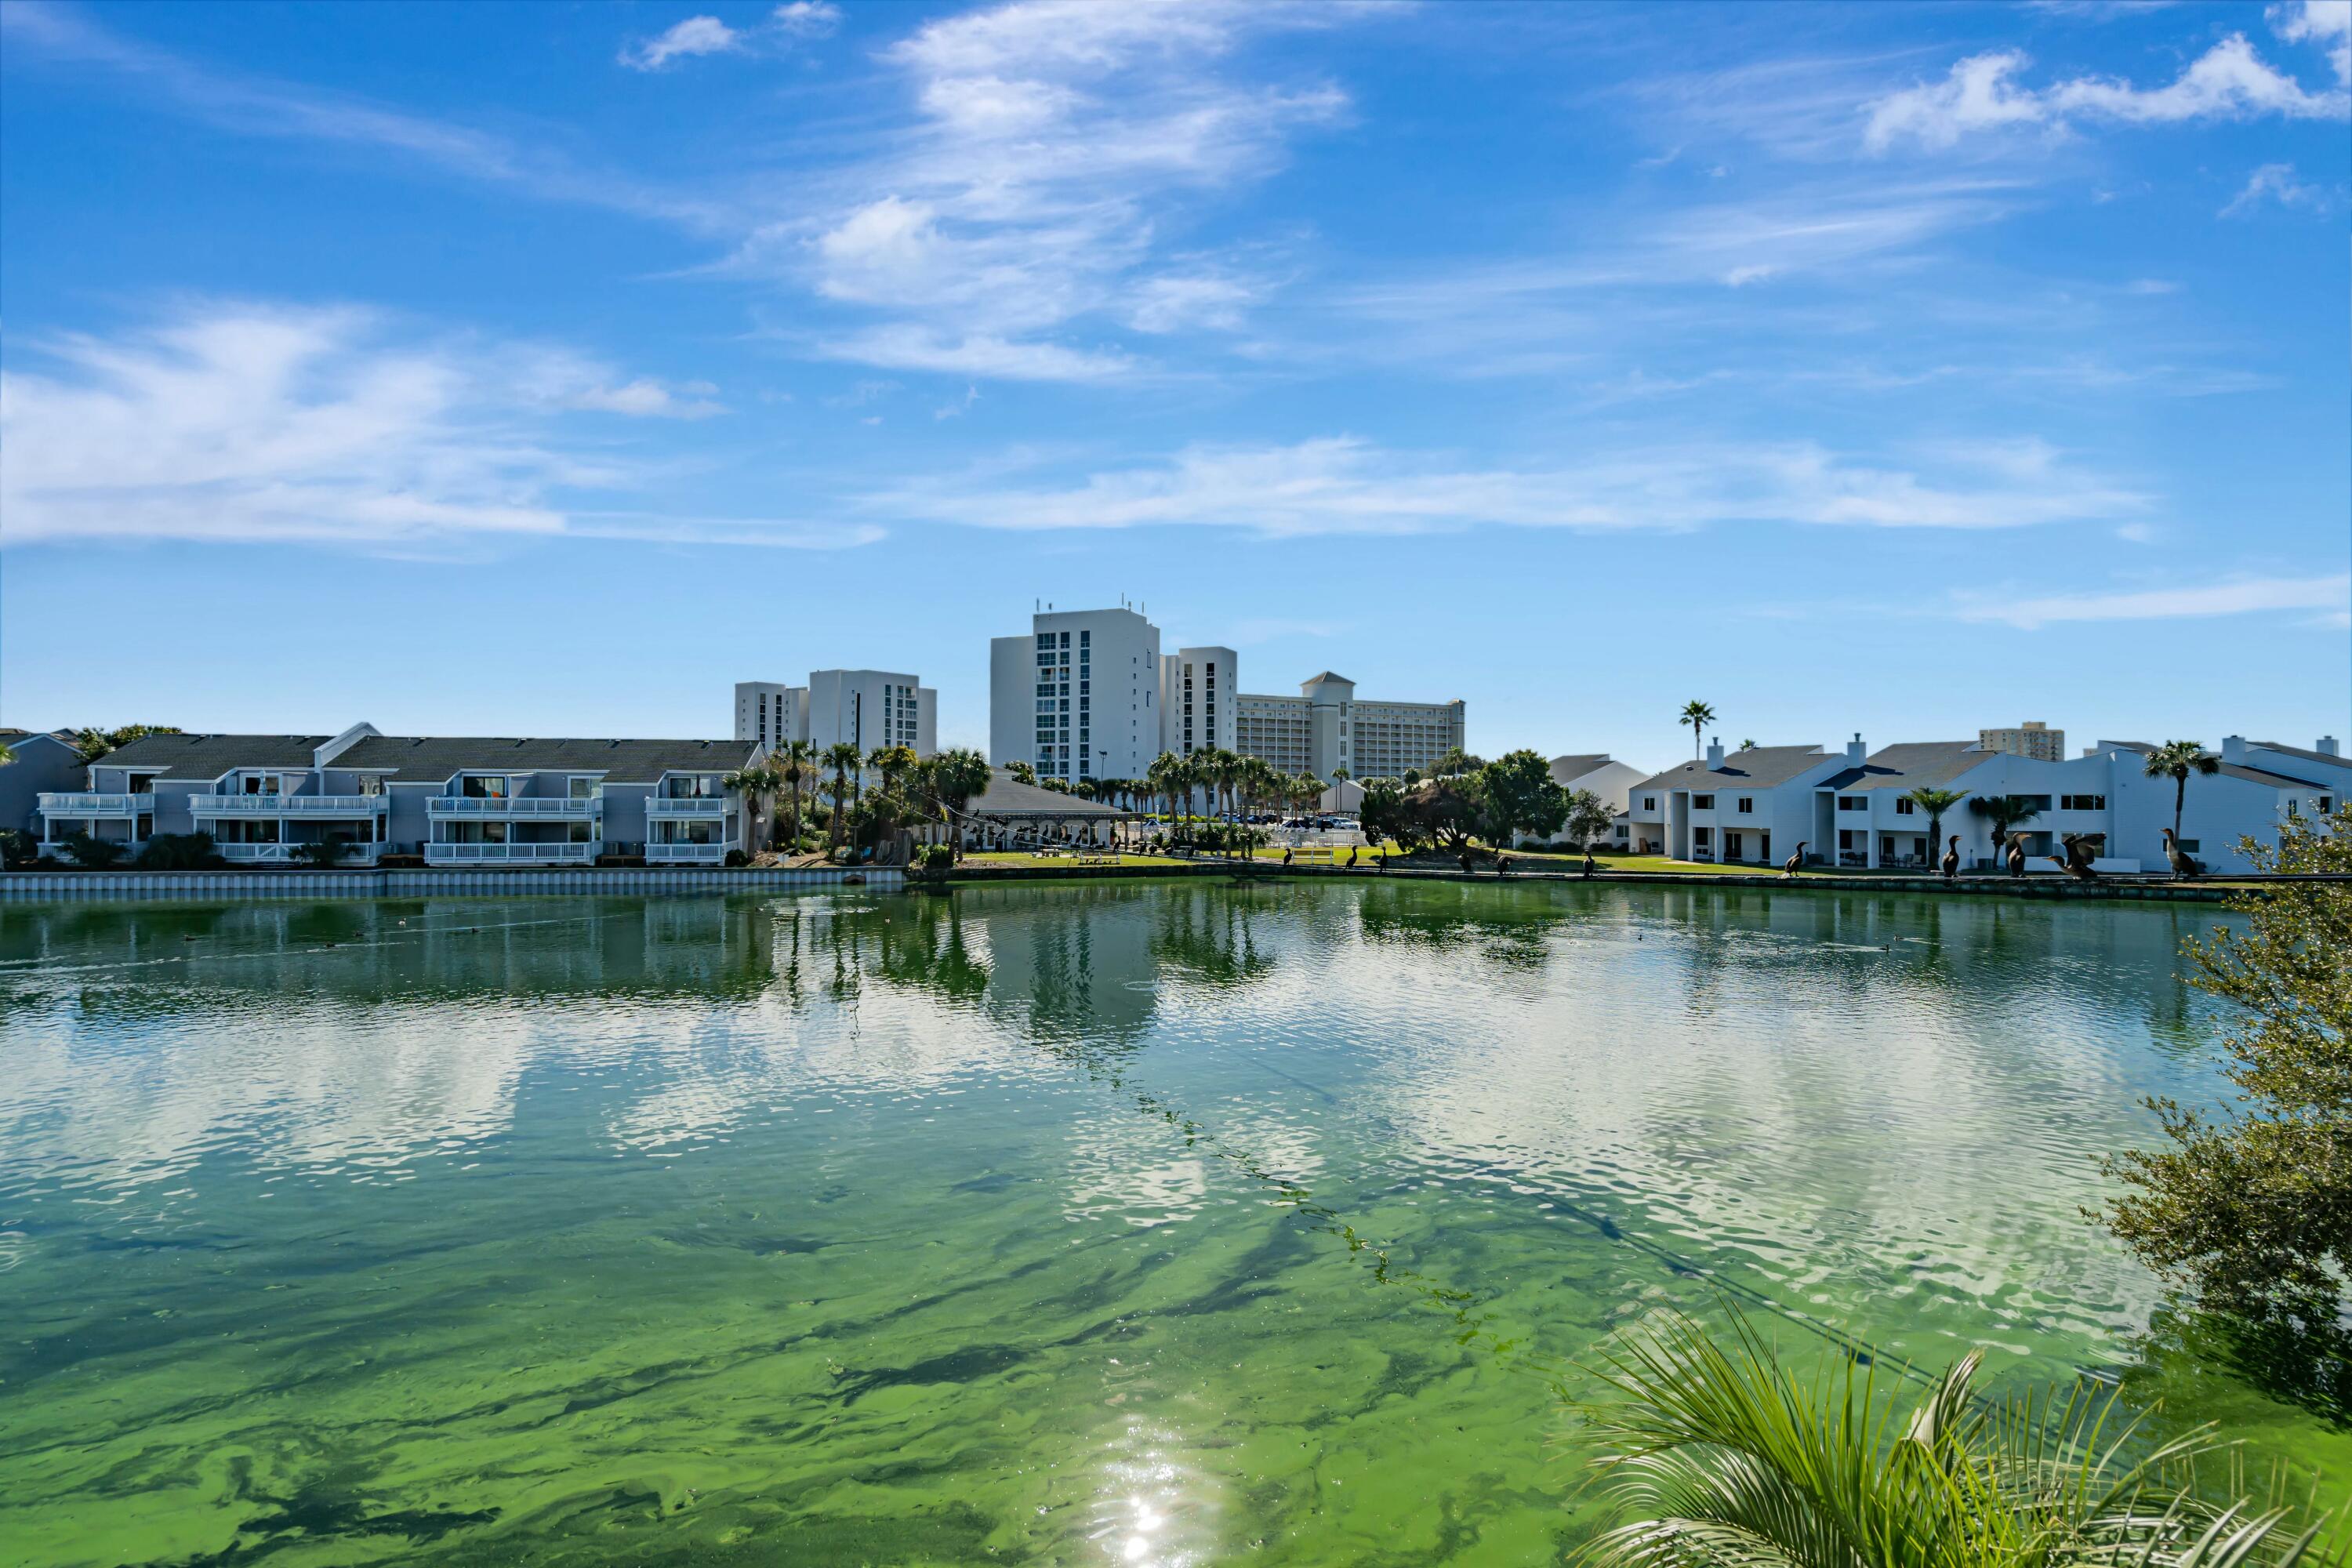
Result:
pixel 2258 775
pixel 210 756
pixel 430 758
pixel 1326 675
pixel 1567 770
pixel 2322 758
pixel 1008 796
pixel 1759 766
pixel 1915 764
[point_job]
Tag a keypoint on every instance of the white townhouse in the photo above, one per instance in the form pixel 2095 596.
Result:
pixel 489 801
pixel 1752 805
pixel 1606 777
pixel 1855 811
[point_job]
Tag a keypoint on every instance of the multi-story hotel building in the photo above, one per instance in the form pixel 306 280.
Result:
pixel 867 708
pixel 492 800
pixel 1326 729
pixel 2032 739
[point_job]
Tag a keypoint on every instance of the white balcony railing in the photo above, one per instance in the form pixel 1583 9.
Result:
pixel 562 807
pixel 285 854
pixel 290 804
pixel 511 854
pixel 80 804
pixel 702 805
pixel 689 854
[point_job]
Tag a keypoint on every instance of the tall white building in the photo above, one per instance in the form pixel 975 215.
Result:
pixel 1078 696
pixel 1200 700
pixel 1326 728
pixel 867 708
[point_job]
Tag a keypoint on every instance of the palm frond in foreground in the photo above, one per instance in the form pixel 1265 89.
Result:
pixel 1718 1455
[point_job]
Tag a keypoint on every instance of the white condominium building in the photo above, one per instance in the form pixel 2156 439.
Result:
pixel 867 708
pixel 1200 701
pixel 2032 739
pixel 1078 696
pixel 1326 729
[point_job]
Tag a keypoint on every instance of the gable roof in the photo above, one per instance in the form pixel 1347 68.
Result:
pixel 2259 776
pixel 2309 757
pixel 1008 796
pixel 210 756
pixel 1915 764
pixel 1567 770
pixel 1326 675
pixel 1758 767
pixel 431 758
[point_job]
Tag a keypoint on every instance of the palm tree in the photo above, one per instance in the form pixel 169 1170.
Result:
pixel 752 783
pixel 2176 759
pixel 1727 1459
pixel 841 756
pixel 794 761
pixel 891 763
pixel 1698 716
pixel 1935 803
pixel 1161 776
pixel 2004 812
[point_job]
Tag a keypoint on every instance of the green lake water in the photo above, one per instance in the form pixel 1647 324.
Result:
pixel 1156 1223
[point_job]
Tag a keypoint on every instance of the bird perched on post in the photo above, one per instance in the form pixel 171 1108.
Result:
pixel 1952 858
pixel 2183 863
pixel 1789 867
pixel 2017 854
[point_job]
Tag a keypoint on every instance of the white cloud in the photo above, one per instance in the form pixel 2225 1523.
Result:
pixel 244 422
pixel 1339 485
pixel 2228 81
pixel 2275 183
pixel 710 36
pixel 914 347
pixel 2244 596
pixel 2327 23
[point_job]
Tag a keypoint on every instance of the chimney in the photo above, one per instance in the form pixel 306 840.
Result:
pixel 1856 754
pixel 2326 747
pixel 1714 752
pixel 2233 750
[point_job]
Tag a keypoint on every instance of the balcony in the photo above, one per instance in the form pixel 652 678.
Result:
pixel 76 804
pixel 689 854
pixel 290 804
pixel 553 809
pixel 692 805
pixel 284 854
pixel 512 854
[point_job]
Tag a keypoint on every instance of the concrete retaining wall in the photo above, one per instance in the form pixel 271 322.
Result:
pixel 422 883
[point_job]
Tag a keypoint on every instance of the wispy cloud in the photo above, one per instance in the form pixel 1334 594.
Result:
pixel 2276 182
pixel 2331 596
pixel 252 423
pixel 2228 81
pixel 1339 485
pixel 699 36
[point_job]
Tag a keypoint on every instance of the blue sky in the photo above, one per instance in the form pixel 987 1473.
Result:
pixel 547 369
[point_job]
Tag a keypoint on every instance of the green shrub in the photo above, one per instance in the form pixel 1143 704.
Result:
pixel 93 854
pixel 937 858
pixel 179 852
pixel 736 857
pixel 18 850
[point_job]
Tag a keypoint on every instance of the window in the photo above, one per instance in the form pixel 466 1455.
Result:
pixel 1748 804
pixel 1852 803
pixel 1702 803
pixel 583 786
pixel 2190 844
pixel 1702 837
pixel 1903 806
pixel 2082 803
pixel 2326 803
pixel 1649 802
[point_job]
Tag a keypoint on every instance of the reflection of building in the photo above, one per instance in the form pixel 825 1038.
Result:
pixel 475 802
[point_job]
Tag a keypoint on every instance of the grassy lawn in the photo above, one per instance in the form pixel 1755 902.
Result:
pixel 1065 862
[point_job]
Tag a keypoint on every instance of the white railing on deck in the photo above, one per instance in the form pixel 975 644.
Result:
pixel 285 854
pixel 685 806
pixel 511 854
pixel 689 854
pixel 512 806
pixel 82 805
pixel 288 804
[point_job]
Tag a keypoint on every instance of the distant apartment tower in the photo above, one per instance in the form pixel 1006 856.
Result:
pixel 1325 728
pixel 1079 697
pixel 1200 701
pixel 867 708
pixel 2032 739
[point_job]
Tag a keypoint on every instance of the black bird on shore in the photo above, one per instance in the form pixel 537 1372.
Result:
pixel 2017 854
pixel 1952 858
pixel 1789 867
pixel 2183 864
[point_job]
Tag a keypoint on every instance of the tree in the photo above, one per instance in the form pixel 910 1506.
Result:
pixel 1022 772
pixel 841 756
pixel 2003 812
pixel 1935 803
pixel 752 783
pixel 1746 745
pixel 1382 811
pixel 1728 1458
pixel 793 761
pixel 1518 795
pixel 1455 763
pixel 1589 817
pixel 1698 716
pixel 1161 776
pixel 94 742
pixel 891 763
pixel 2253 1206
pixel 96 854
pixel 2176 759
